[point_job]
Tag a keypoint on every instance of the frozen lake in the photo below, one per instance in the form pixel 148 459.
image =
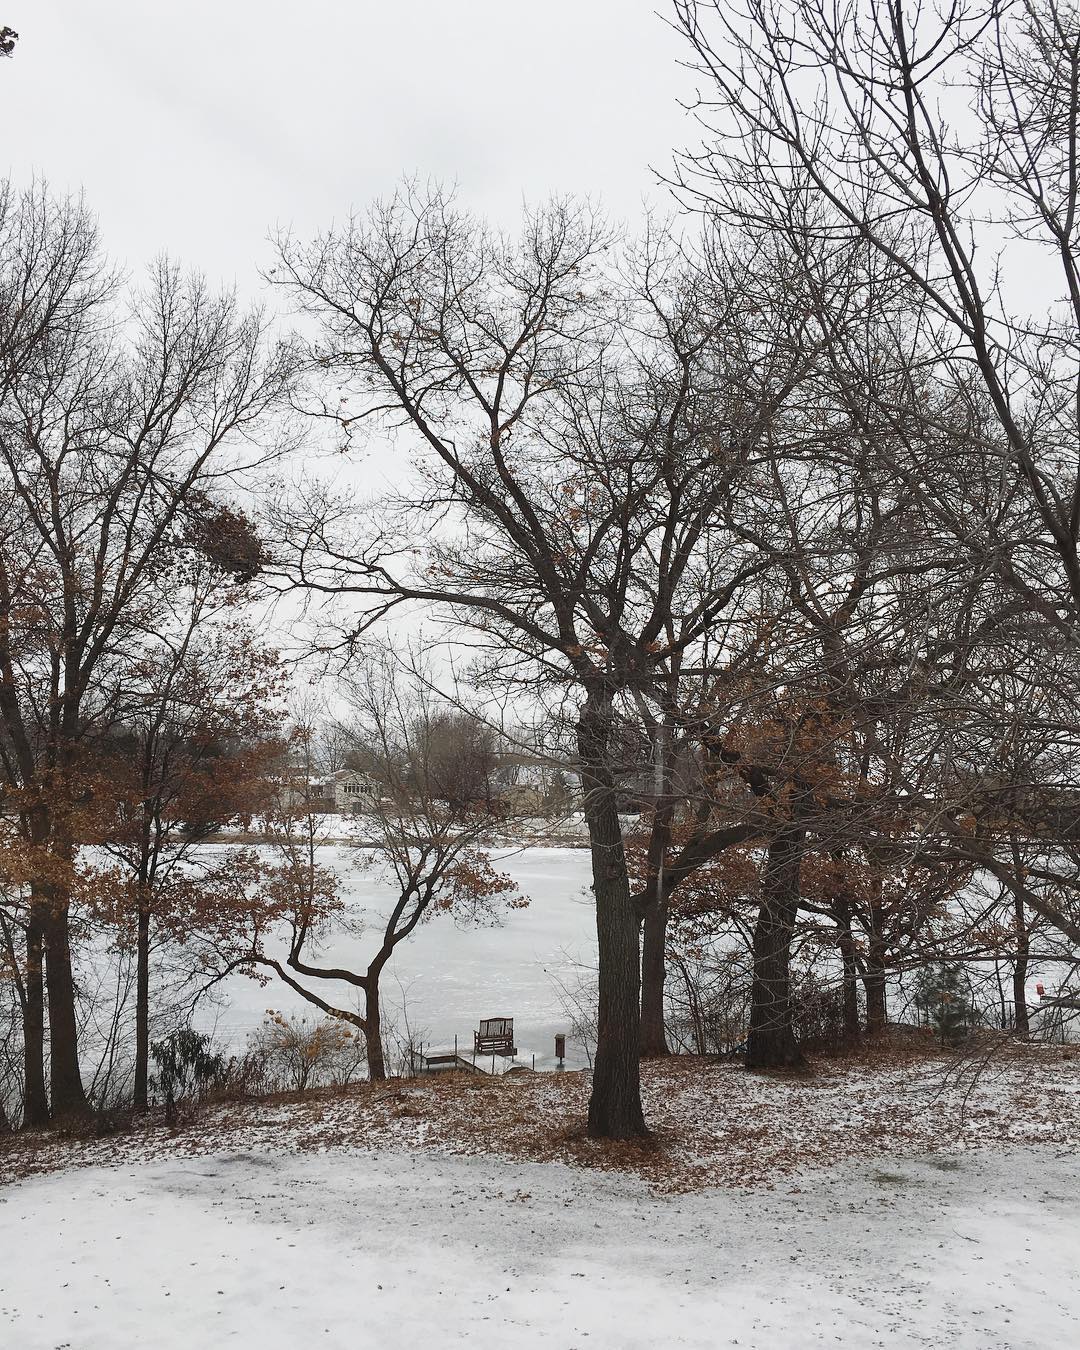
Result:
pixel 443 977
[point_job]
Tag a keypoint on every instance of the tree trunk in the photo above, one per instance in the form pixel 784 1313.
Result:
pixel 846 943
pixel 771 1041
pixel 877 1012
pixel 653 976
pixel 615 1105
pixel 142 1008
pixel 376 1061
pixel 1020 970
pixel 654 928
pixel 68 1097
pixel 35 1096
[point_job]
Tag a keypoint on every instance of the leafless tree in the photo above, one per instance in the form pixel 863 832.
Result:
pixel 191 750
pixel 578 425
pixel 125 421
pixel 936 149
pixel 426 849
pixel 942 141
pixel 456 764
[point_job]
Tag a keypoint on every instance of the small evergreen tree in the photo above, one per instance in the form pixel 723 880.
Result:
pixel 186 1065
pixel 943 998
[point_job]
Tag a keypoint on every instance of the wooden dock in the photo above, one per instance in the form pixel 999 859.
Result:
pixel 443 1061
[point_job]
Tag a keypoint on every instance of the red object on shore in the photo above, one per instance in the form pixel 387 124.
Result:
pixel 1040 990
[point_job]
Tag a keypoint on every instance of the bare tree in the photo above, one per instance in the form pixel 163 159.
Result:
pixel 122 426
pixel 578 429
pixel 936 147
pixel 457 761
pixel 191 751
pixel 428 850
pixel 847 105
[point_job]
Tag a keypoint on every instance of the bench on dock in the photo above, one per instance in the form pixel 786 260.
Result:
pixel 495 1037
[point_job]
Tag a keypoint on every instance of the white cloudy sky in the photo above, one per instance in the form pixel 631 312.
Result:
pixel 196 127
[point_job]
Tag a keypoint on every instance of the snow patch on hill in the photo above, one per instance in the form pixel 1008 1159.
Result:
pixel 398 1250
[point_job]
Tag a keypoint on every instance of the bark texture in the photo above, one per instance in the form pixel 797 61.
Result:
pixel 35 1095
pixel 852 1026
pixel 68 1095
pixel 376 1059
pixel 771 1040
pixel 877 1009
pixel 615 1104
pixel 1020 971
pixel 653 979
pixel 142 1009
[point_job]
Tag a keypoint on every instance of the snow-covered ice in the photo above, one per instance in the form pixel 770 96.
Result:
pixel 451 977
pixel 401 1250
pixel 445 978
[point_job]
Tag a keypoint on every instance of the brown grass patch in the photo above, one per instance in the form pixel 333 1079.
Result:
pixel 711 1123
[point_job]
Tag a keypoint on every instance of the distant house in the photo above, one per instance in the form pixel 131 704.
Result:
pixel 530 785
pixel 343 792
pixel 519 799
pixel 348 790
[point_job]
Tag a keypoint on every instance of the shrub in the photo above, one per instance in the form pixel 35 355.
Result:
pixel 944 999
pixel 186 1067
pixel 817 1014
pixel 708 1002
pixel 299 1053
pixel 243 1077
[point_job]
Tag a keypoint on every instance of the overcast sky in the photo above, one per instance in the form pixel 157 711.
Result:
pixel 197 127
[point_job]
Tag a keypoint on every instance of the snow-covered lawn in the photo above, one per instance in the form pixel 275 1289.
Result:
pixel 713 1123
pixel 394 1251
pixel 894 1202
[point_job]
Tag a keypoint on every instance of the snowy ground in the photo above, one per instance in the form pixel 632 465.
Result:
pixel 712 1123
pixel 396 1251
pixel 909 1199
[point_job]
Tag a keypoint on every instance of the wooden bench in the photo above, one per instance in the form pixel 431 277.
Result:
pixel 495 1037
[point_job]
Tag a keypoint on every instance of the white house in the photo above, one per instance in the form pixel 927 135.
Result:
pixel 342 792
pixel 346 790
